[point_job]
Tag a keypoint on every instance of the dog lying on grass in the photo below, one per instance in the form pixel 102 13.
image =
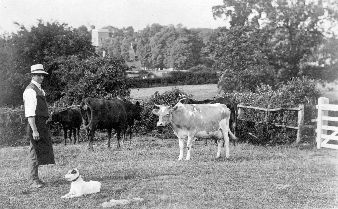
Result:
pixel 79 187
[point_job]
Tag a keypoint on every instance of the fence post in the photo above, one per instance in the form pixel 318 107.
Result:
pixel 300 122
pixel 320 122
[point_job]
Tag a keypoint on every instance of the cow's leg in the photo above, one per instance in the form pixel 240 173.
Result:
pixel 90 134
pixel 118 136
pixel 233 130
pixel 70 135
pixel 224 141
pixel 130 131
pixel 181 144
pixel 65 135
pixel 74 135
pixel 78 134
pixel 191 139
pixel 109 136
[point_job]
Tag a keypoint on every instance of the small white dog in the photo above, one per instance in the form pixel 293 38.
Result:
pixel 79 187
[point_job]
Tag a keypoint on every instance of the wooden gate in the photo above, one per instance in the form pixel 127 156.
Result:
pixel 327 124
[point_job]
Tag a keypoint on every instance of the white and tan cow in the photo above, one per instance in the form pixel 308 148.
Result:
pixel 197 120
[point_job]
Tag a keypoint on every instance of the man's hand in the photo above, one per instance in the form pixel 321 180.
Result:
pixel 36 135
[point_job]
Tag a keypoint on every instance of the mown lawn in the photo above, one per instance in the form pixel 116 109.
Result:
pixel 199 92
pixel 253 177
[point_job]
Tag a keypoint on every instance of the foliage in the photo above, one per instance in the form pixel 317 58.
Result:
pixel 289 95
pixel 271 37
pixel 294 92
pixel 42 43
pixel 93 77
pixel 12 127
pixel 238 53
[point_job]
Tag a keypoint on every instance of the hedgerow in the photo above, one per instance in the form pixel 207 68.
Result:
pixel 289 95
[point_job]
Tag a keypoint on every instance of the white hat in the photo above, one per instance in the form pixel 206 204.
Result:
pixel 38 69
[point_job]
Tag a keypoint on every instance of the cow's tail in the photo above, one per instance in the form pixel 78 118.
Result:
pixel 234 138
pixel 232 135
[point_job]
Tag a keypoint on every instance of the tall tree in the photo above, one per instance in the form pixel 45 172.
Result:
pixel 42 43
pixel 143 44
pixel 292 28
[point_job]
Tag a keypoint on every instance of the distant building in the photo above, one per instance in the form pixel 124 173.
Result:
pixel 99 35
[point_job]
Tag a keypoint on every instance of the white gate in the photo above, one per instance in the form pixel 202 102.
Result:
pixel 327 132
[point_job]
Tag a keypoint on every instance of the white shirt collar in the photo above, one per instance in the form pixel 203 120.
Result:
pixel 36 83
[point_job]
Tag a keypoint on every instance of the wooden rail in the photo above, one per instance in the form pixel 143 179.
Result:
pixel 323 126
pixel 300 116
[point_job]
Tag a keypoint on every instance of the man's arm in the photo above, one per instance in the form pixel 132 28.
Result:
pixel 31 121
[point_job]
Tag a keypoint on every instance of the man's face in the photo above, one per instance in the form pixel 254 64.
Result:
pixel 38 78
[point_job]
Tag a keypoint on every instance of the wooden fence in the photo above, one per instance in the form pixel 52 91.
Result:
pixel 327 124
pixel 267 111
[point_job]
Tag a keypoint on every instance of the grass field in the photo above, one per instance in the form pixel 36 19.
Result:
pixel 199 92
pixel 208 91
pixel 253 177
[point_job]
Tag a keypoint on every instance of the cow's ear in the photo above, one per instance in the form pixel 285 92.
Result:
pixel 155 111
pixel 137 103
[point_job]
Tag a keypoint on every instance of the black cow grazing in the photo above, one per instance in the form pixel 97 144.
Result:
pixel 103 114
pixel 133 113
pixel 70 119
pixel 221 100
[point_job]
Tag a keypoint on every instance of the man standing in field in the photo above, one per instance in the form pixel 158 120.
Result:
pixel 36 110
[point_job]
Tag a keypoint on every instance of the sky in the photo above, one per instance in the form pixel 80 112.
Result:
pixel 116 13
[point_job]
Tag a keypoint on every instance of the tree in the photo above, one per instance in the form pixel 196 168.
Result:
pixel 41 44
pixel 238 53
pixel 185 51
pixel 143 44
pixel 292 29
pixel 98 77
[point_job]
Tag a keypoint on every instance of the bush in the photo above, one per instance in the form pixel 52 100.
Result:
pixel 291 94
pixel 199 68
pixel 92 77
pixel 12 127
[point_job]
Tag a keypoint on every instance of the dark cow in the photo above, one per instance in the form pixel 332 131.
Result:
pixel 221 100
pixel 103 114
pixel 133 113
pixel 70 119
pixel 197 120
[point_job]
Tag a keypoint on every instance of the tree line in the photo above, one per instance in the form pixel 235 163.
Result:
pixel 267 42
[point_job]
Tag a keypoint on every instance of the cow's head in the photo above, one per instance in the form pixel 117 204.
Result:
pixel 53 118
pixel 163 113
